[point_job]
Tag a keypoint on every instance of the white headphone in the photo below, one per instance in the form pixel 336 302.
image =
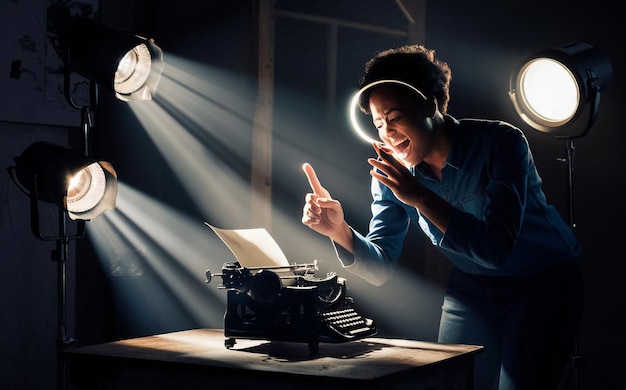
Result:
pixel 354 105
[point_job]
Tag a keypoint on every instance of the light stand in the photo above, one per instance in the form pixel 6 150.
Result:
pixel 131 67
pixel 44 170
pixel 81 187
pixel 551 91
pixel 576 360
pixel 63 341
pixel 61 253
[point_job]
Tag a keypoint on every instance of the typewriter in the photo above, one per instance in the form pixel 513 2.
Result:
pixel 289 303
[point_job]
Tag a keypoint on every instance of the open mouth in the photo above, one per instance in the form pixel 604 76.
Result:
pixel 401 149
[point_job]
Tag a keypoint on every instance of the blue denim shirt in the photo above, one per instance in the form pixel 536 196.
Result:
pixel 501 223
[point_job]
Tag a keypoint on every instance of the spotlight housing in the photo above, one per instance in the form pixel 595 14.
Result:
pixel 554 87
pixel 128 64
pixel 80 185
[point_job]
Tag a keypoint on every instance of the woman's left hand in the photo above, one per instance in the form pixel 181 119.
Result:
pixel 394 175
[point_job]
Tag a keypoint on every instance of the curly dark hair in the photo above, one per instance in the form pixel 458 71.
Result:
pixel 413 64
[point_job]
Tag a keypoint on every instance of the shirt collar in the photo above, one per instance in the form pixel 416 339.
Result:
pixel 455 155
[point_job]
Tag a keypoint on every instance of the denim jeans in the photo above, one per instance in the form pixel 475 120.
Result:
pixel 527 325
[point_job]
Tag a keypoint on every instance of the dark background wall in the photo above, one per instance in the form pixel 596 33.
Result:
pixel 483 41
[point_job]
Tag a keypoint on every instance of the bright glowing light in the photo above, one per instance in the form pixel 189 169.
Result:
pixel 549 89
pixel 145 237
pixel 79 184
pixel 208 180
pixel 133 70
pixel 552 89
pixel 354 109
pixel 86 189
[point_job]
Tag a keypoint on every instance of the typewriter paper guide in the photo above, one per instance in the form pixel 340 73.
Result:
pixel 252 247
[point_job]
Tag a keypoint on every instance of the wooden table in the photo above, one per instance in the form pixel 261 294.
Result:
pixel 197 358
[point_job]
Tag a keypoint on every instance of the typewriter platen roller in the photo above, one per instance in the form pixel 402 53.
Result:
pixel 289 303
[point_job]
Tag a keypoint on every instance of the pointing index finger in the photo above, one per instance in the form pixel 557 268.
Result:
pixel 313 180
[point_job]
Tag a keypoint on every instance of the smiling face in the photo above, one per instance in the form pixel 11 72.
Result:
pixel 402 122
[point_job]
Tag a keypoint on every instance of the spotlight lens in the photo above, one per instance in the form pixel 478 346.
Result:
pixel 126 67
pixel 549 90
pixel 79 184
pixel 86 189
pixel 133 70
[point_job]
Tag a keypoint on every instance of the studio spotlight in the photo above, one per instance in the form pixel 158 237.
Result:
pixel 79 185
pixel 128 64
pixel 82 188
pixel 552 89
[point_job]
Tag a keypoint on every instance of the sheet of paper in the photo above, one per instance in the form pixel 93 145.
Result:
pixel 252 247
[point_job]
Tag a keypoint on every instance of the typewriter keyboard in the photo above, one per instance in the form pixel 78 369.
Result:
pixel 347 323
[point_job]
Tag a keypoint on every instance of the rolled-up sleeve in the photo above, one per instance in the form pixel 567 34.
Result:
pixel 376 255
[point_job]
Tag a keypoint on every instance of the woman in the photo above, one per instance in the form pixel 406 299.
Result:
pixel 473 189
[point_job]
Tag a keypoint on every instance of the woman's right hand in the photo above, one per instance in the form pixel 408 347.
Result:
pixel 321 212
